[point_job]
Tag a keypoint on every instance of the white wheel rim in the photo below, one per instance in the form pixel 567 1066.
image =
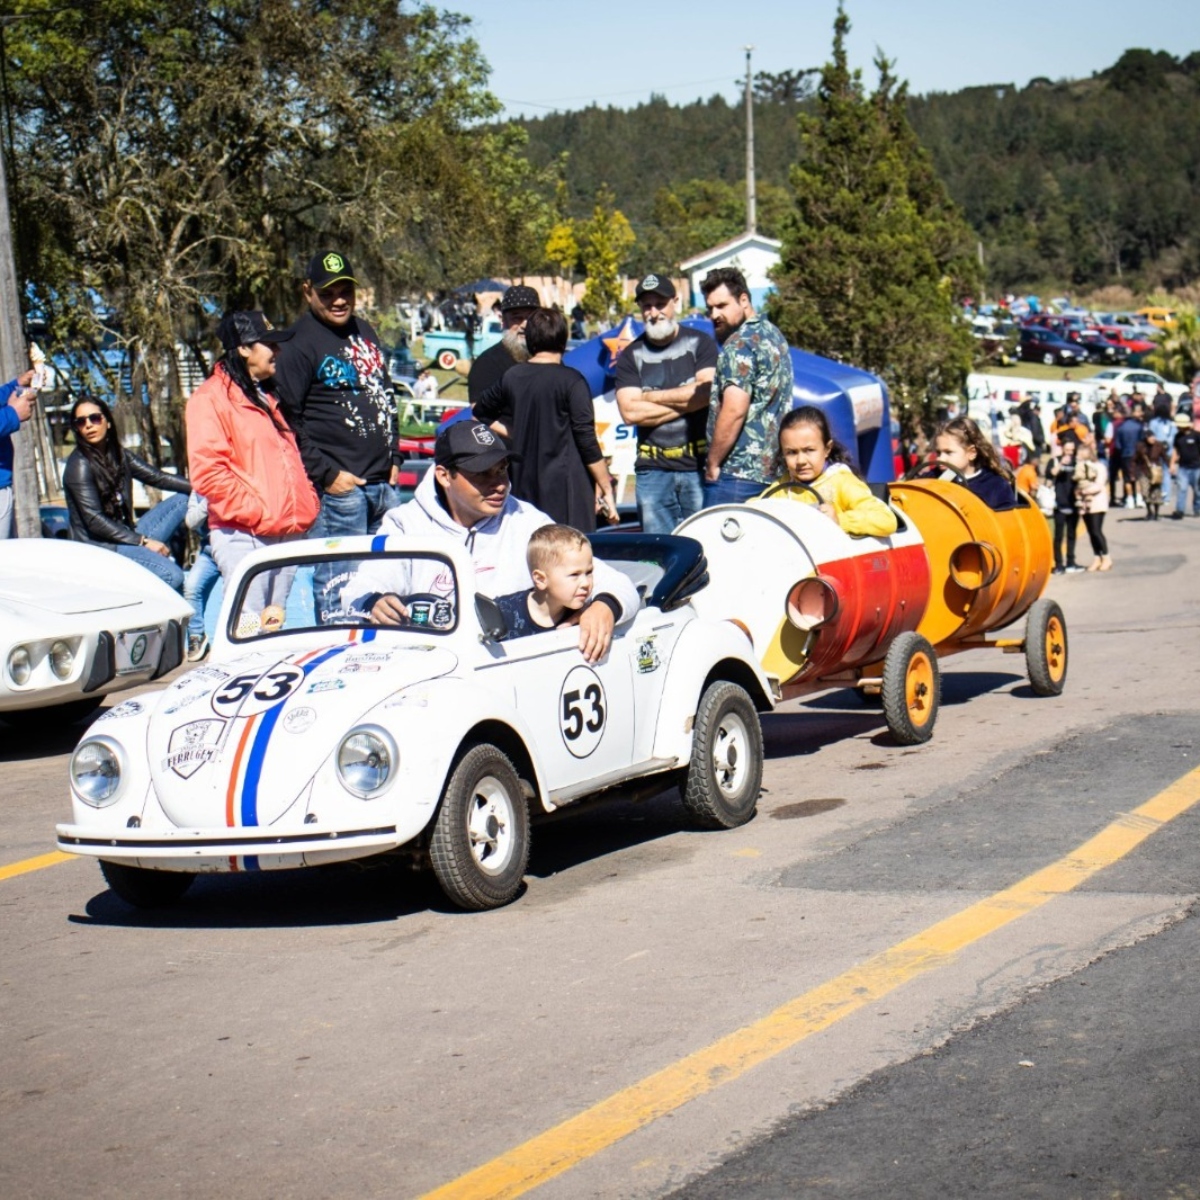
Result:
pixel 491 826
pixel 731 754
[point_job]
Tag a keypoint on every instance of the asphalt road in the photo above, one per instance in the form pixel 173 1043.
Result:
pixel 964 968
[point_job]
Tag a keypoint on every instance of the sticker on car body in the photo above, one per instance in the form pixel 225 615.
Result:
pixel 583 711
pixel 192 745
pixel 255 692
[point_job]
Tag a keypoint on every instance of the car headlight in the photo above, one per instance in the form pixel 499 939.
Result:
pixel 95 772
pixel 62 659
pixel 365 761
pixel 20 665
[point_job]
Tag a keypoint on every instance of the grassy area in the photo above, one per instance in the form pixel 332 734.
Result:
pixel 1032 370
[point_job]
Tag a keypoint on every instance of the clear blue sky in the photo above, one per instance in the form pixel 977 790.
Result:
pixel 559 54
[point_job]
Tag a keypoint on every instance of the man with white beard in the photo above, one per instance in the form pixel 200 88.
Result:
pixel 664 378
pixel 517 305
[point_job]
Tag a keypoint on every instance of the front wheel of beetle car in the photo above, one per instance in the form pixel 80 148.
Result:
pixel 1046 648
pixel 144 888
pixel 724 776
pixel 480 843
pixel 912 689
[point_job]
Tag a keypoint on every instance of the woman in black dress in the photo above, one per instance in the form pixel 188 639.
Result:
pixel 546 409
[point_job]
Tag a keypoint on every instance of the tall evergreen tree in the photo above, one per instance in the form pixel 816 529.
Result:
pixel 875 256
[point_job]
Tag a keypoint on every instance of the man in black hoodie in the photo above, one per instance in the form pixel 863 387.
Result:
pixel 332 381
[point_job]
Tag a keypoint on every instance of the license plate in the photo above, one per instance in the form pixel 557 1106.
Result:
pixel 138 650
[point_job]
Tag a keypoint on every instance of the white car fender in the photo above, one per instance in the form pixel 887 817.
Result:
pixel 702 646
pixel 429 746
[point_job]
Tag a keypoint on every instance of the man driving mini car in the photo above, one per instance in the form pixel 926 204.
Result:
pixel 466 496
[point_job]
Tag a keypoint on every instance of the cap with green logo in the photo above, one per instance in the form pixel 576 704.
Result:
pixel 326 267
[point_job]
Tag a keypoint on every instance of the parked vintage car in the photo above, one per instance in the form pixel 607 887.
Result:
pixel 1098 347
pixel 447 346
pixel 76 623
pixel 299 744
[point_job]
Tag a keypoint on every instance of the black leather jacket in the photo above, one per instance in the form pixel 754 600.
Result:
pixel 89 522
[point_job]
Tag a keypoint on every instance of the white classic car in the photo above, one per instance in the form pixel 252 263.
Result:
pixel 78 622
pixel 302 743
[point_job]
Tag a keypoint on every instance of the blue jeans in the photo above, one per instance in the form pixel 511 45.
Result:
pixel 354 514
pixel 160 524
pixel 729 489
pixel 1188 477
pixel 197 587
pixel 664 498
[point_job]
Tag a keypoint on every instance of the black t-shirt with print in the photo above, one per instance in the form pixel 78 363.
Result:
pixel 651 367
pixel 1187 446
pixel 335 392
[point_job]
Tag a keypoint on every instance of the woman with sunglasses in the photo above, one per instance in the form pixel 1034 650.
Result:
pixel 98 482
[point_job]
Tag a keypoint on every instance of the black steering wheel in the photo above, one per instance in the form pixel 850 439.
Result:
pixel 790 485
pixel 933 470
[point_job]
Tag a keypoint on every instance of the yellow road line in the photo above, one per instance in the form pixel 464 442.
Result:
pixel 34 864
pixel 580 1137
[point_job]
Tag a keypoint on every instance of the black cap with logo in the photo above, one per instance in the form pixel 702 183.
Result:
pixel 471 446
pixel 328 266
pixel 246 328
pixel 655 285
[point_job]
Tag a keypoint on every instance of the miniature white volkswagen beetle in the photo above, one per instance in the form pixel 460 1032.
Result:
pixel 302 743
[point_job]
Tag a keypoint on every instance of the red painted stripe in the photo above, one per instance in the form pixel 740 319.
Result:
pixel 231 791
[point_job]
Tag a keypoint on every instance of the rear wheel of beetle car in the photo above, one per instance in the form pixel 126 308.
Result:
pixel 144 888
pixel 725 775
pixel 446 359
pixel 1046 648
pixel 912 688
pixel 480 843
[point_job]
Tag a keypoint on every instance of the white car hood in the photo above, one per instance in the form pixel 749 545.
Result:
pixel 216 761
pixel 62 594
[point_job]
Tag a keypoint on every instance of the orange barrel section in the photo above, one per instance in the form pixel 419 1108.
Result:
pixel 988 567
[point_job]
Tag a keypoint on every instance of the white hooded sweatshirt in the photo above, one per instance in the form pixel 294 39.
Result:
pixel 496 545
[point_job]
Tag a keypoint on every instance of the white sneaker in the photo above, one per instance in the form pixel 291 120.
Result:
pixel 1128 501
pixel 1138 502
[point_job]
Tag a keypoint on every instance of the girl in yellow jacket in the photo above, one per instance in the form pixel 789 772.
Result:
pixel 810 455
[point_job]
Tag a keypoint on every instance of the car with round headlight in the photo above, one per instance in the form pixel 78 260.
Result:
pixel 76 623
pixel 307 740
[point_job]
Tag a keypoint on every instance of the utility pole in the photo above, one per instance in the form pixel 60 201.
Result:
pixel 751 196
pixel 14 357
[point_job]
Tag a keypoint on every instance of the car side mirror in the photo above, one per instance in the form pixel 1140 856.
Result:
pixel 491 620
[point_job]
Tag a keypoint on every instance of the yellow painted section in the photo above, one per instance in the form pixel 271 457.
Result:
pixel 580 1137
pixel 34 864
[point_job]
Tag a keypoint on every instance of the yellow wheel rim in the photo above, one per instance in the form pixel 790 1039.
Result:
pixel 919 689
pixel 1056 649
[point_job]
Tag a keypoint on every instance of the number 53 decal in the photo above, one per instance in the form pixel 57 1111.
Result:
pixel 246 695
pixel 583 711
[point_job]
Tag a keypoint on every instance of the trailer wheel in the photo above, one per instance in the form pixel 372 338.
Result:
pixel 446 359
pixel 912 689
pixel 1046 648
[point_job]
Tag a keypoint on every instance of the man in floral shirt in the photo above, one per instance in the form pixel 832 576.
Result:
pixel 751 393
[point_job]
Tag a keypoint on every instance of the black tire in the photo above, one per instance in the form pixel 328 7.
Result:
pixel 1048 358
pixel 724 777
pixel 446 359
pixel 480 844
pixel 912 689
pixel 1046 648
pixel 144 888
pixel 55 715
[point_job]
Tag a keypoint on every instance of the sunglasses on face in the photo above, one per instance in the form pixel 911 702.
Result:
pixel 86 419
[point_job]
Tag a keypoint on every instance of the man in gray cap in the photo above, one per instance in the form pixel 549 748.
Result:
pixel 664 380
pixel 517 305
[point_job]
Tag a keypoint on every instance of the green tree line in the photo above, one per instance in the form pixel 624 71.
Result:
pixel 1066 185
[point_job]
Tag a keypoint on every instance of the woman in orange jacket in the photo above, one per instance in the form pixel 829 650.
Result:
pixel 243 457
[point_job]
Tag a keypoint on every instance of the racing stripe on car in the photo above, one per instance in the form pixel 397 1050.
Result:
pixel 262 737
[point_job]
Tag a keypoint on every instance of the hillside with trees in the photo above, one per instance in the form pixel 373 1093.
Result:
pixel 1075 184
